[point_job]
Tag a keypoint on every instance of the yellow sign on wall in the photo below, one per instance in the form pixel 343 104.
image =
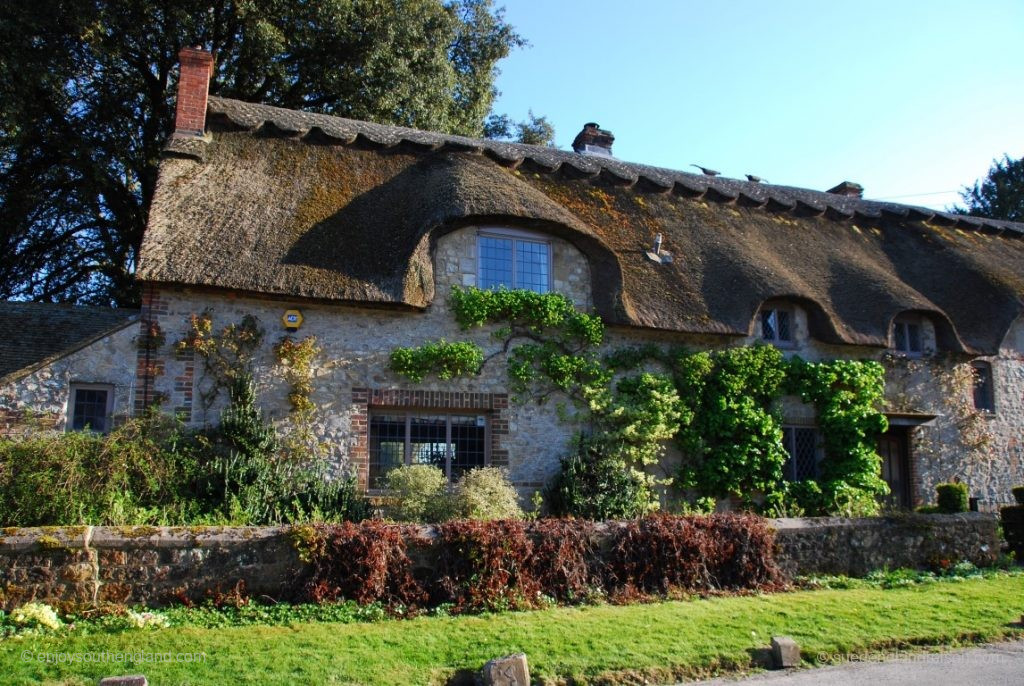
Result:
pixel 292 320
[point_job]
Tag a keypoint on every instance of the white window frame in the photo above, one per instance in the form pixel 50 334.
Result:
pixel 776 341
pixel 515 235
pixel 72 401
pixel 905 322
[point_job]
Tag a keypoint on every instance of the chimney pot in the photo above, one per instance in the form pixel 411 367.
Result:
pixel 848 188
pixel 193 89
pixel 593 140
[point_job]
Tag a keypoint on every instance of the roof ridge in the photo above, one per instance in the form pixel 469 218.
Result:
pixel 268 118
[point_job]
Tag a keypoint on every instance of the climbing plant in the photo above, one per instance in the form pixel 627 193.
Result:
pixel 227 355
pixel 297 359
pixel 720 408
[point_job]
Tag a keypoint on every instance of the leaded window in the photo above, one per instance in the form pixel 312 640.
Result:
pixel 906 336
pixel 776 326
pixel 454 443
pixel 514 261
pixel 802 445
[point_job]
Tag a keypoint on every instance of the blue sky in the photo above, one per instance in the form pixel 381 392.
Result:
pixel 905 97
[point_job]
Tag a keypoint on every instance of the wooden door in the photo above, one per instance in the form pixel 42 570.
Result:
pixel 892 446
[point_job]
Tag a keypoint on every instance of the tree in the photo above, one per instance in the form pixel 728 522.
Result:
pixel 534 131
pixel 87 94
pixel 1000 195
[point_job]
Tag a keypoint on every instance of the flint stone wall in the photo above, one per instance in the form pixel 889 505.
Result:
pixel 160 565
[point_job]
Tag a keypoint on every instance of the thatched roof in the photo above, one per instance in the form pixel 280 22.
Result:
pixel 35 334
pixel 301 205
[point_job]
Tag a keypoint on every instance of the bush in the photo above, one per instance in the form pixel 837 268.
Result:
pixel 485 566
pixel 132 475
pixel 420 494
pixel 508 564
pixel 952 497
pixel 486 493
pixel 593 485
pixel 367 563
pixel 660 554
pixel 1018 494
pixel 151 471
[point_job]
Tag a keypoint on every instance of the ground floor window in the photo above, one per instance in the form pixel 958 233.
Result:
pixel 454 443
pixel 90 407
pixel 803 446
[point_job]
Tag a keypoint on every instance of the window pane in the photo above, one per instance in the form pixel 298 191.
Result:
pixel 983 391
pixel 788 469
pixel 914 338
pixel 495 262
pixel 532 266
pixel 427 440
pixel 782 318
pixel 468 443
pixel 387 446
pixel 768 327
pixel 805 446
pixel 900 336
pixel 90 410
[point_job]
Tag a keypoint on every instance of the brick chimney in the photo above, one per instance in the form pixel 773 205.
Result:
pixel 848 188
pixel 193 87
pixel 593 140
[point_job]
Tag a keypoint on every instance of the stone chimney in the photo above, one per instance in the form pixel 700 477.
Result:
pixel 848 188
pixel 193 87
pixel 593 140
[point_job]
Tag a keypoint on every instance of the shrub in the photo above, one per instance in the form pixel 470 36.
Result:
pixel 420 492
pixel 486 493
pixel 1018 494
pixel 485 566
pixel 367 563
pixel 661 554
pixel 952 497
pixel 36 615
pixel 132 475
pixel 593 485
pixel 564 559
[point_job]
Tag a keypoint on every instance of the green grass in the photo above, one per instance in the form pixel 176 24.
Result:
pixel 663 640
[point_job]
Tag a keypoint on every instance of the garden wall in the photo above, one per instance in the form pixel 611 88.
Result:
pixel 82 565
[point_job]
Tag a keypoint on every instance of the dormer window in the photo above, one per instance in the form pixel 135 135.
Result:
pixel 906 336
pixel 514 259
pixel 777 325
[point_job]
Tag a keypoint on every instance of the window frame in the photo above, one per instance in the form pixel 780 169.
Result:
pixel 791 473
pixel 409 414
pixel 988 406
pixel 905 322
pixel 516 236
pixel 776 341
pixel 108 416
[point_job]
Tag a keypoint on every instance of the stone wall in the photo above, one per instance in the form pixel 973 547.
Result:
pixel 149 565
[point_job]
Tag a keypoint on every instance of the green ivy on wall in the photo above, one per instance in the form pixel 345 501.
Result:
pixel 721 408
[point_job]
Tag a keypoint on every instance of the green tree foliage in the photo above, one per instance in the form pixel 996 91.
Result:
pixel 533 131
pixel 1000 195
pixel 86 104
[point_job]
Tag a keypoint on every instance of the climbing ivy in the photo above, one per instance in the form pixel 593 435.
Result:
pixel 721 409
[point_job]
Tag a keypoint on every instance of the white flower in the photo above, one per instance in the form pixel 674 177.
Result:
pixel 141 620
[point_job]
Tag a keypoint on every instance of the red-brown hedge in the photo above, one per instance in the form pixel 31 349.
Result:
pixel 510 564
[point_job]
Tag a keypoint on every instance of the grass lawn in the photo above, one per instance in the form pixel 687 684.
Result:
pixel 660 640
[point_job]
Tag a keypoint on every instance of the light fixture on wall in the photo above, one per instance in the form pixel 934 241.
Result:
pixel 656 254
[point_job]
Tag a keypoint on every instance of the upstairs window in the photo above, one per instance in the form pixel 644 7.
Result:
pixel 906 336
pixel 514 260
pixel 777 326
pixel 802 445
pixel 984 391
pixel 90 407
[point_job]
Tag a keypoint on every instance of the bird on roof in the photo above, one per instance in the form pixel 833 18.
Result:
pixel 707 172
pixel 755 179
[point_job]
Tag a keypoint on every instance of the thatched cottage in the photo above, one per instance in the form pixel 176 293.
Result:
pixel 364 229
